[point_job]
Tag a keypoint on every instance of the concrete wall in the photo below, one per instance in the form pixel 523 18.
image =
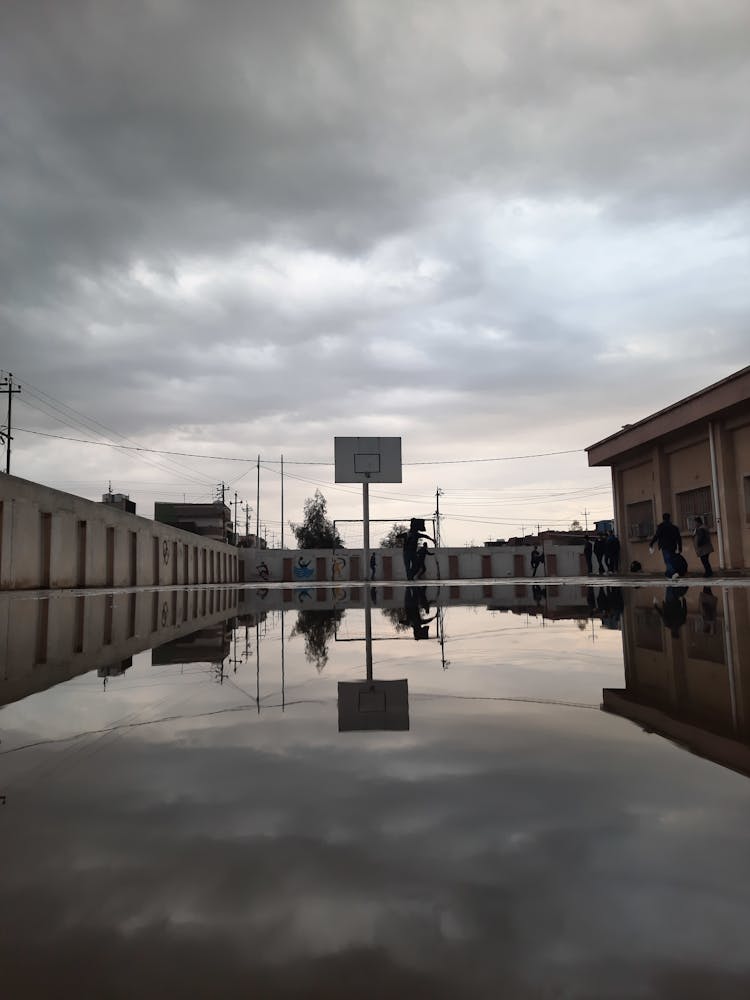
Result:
pixel 51 539
pixel 45 641
pixel 324 565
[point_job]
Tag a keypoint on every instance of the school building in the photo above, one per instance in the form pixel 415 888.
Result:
pixel 691 458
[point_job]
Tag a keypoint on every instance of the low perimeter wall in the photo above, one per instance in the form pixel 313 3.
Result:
pixel 343 566
pixel 51 539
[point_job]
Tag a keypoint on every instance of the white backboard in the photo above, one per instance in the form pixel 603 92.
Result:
pixel 367 459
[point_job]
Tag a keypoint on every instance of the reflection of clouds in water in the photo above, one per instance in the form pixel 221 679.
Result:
pixel 494 843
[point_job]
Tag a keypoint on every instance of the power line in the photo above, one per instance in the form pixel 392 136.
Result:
pixel 271 461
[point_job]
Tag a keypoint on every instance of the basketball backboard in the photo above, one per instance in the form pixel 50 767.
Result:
pixel 367 459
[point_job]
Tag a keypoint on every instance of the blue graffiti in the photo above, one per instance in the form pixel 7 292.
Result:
pixel 304 595
pixel 303 570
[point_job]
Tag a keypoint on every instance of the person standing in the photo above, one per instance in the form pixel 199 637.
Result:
pixel 667 537
pixel 411 541
pixel 419 566
pixel 536 559
pixel 373 566
pixel 612 552
pixel 588 549
pixel 600 547
pixel 703 546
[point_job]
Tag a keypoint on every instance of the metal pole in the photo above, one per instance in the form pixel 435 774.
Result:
pixel 11 392
pixel 257 510
pixel 366 525
pixel 282 501
pixel 714 490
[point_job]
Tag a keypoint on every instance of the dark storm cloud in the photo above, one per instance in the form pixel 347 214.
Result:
pixel 246 221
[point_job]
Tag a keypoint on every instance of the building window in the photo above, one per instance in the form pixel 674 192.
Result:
pixel 640 519
pixel 692 504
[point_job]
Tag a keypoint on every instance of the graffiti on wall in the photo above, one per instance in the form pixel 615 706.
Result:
pixel 338 565
pixel 303 569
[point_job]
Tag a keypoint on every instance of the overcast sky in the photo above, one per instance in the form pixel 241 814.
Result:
pixel 495 229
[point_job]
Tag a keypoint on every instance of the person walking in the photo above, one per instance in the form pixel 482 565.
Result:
pixel 588 549
pixel 667 537
pixel 600 547
pixel 703 546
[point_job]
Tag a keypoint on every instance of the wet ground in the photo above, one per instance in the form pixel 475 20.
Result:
pixel 531 792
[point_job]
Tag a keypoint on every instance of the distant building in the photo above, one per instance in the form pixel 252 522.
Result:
pixel 210 520
pixel 120 500
pixel 690 459
pixel 602 527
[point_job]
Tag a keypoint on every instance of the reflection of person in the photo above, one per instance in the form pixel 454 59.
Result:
pixel 703 546
pixel 588 549
pixel 708 603
pixel 673 610
pixel 667 537
pixel 373 566
pixel 415 601
pixel 411 541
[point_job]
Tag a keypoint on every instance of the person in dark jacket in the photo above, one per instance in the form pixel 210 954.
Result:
pixel 600 547
pixel 703 546
pixel 673 609
pixel 667 537
pixel 612 552
pixel 537 558
pixel 411 541
pixel 588 549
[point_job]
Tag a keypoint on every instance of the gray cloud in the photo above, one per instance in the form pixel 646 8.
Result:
pixel 474 227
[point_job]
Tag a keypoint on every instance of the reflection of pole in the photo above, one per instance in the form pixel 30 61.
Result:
pixel 441 633
pixel 283 673
pixel 366 524
pixel 368 631
pixel 257 665
pixel 730 657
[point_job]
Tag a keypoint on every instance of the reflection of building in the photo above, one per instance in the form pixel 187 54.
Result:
pixel 687 670
pixel 370 705
pixel 211 520
pixel 692 458
pixel 206 645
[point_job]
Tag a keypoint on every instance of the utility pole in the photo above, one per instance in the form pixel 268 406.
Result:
pixel 586 518
pixel 247 521
pixel 221 489
pixel 282 501
pixel 257 510
pixel 438 494
pixel 7 386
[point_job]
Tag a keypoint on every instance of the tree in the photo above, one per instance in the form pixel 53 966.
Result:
pixel 576 525
pixel 316 531
pixel 392 540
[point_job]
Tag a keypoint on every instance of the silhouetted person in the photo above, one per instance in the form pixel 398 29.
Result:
pixel 419 565
pixel 667 537
pixel 703 546
pixel 411 541
pixel 415 601
pixel 588 550
pixel 537 558
pixel 599 549
pixel 673 610
pixel 373 566
pixel 612 552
